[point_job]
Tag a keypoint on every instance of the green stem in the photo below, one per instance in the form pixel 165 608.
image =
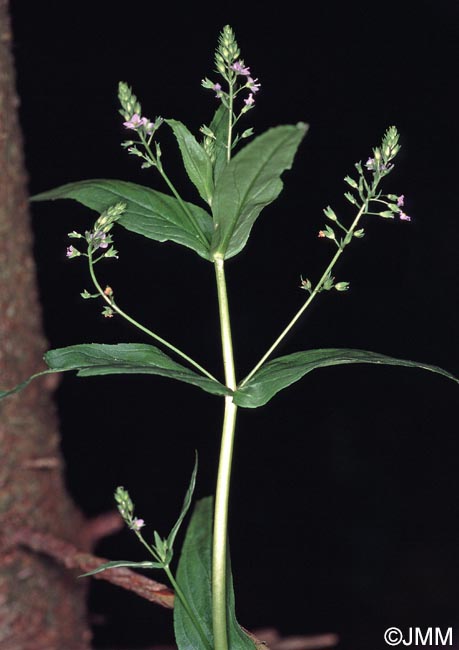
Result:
pixel 220 533
pixel 178 592
pixel 139 326
pixel 311 297
pixel 172 188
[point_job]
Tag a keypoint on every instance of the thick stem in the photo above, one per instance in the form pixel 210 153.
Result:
pixel 220 534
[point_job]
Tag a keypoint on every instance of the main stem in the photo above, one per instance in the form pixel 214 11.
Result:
pixel 220 535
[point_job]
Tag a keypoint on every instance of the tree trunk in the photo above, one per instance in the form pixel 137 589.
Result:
pixel 42 605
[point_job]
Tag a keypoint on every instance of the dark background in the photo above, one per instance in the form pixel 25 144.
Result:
pixel 344 505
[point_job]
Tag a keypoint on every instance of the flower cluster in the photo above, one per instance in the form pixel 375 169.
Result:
pixel 99 237
pixel 96 239
pixel 366 195
pixel 143 127
pixel 238 80
pixel 381 161
pixel 252 84
pixel 394 203
pixel 327 284
pixel 234 71
pixel 126 509
pixel 379 165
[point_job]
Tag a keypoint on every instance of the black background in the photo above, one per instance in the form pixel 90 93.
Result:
pixel 344 503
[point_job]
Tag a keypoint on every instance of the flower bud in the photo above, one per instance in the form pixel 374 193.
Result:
pixel 306 284
pixel 351 198
pixel 350 181
pixel 330 213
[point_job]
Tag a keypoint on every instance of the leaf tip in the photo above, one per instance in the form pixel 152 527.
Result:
pixel 303 127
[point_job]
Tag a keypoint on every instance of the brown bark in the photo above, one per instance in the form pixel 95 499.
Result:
pixel 42 606
pixel 72 558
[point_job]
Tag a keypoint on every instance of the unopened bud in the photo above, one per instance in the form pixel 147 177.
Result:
pixel 351 198
pixel 330 213
pixel 306 284
pixel 350 181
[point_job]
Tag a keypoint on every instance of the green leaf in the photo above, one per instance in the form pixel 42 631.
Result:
pixel 126 358
pixel 280 373
pixel 92 359
pixel 116 564
pixel 248 183
pixel 185 507
pixel 149 213
pixel 219 127
pixel 194 578
pixel 196 161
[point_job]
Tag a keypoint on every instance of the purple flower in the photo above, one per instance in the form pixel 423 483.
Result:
pixel 403 217
pixel 401 201
pixel 372 165
pixel 137 524
pixel 249 101
pixel 72 252
pixel 218 89
pixel 239 68
pixel 135 122
pixel 98 239
pixel 253 84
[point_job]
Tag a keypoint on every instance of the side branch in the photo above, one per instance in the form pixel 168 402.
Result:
pixel 72 558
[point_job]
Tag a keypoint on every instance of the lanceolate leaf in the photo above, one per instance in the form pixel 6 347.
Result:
pixel 149 213
pixel 185 507
pixel 280 373
pixel 197 163
pixel 194 578
pixel 248 183
pixel 123 358
pixel 116 564
pixel 126 358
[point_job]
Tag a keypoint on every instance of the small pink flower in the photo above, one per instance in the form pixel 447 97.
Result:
pixel 137 524
pixel 135 122
pixel 98 239
pixel 218 89
pixel 249 101
pixel 239 67
pixel 401 200
pixel 253 84
pixel 403 217
pixel 72 252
